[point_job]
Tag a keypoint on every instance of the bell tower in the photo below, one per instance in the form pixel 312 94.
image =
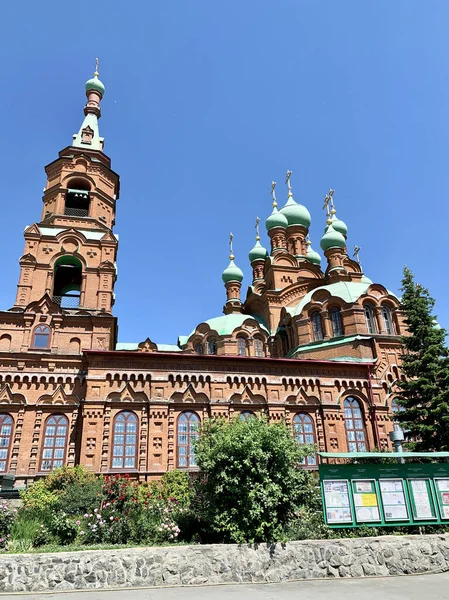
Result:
pixel 69 259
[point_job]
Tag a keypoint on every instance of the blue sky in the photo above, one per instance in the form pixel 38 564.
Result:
pixel 206 102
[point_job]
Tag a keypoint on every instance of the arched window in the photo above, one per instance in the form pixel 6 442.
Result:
pixel 41 336
pixel 55 442
pixel 188 431
pixel 241 346
pixel 304 434
pixel 212 346
pixel 6 425
pixel 77 198
pixel 337 325
pixel 199 348
pixel 317 326
pixel 258 347
pixel 370 319
pixel 355 429
pixel 124 443
pixel 67 282
pixel 246 414
pixel 388 321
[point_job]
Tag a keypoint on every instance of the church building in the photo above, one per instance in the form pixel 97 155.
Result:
pixel 315 343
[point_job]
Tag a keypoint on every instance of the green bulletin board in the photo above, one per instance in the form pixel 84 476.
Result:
pixel 385 494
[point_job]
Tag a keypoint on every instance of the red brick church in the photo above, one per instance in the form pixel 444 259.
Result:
pixel 315 343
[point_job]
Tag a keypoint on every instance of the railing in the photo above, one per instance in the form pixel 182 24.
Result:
pixel 67 301
pixel 76 212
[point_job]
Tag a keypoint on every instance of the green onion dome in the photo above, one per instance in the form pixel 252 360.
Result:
pixel 276 219
pixel 258 252
pixel 95 84
pixel 366 279
pixel 339 226
pixel 332 239
pixel 435 325
pixel 296 214
pixel 313 256
pixel 232 272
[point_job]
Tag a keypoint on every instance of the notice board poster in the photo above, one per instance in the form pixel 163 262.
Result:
pixel 442 490
pixel 393 499
pixel 336 498
pixel 421 499
pixel 366 504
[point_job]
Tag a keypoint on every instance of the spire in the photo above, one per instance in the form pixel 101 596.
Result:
pixel 232 277
pixel 337 223
pixel 89 136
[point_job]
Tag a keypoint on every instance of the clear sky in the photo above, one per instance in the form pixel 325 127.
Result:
pixel 208 101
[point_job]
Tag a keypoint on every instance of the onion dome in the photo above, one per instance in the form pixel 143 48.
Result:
pixel 312 256
pixel 276 219
pixel 435 325
pixel 339 225
pixel 296 214
pixel 366 279
pixel 258 252
pixel 232 273
pixel 332 239
pixel 95 83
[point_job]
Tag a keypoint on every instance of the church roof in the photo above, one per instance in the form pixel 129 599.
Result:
pixel 225 324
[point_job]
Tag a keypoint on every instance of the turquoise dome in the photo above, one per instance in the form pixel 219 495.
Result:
pixel 332 239
pixel 339 226
pixel 276 219
pixel 232 273
pixel 296 214
pixel 258 252
pixel 95 84
pixel 435 325
pixel 313 256
pixel 366 279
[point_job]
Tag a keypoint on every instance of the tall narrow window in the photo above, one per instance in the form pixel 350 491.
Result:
pixel 211 346
pixel 337 326
pixel 6 425
pixel 370 319
pixel 304 434
pixel 41 337
pixel 258 347
pixel 317 326
pixel 55 442
pixel 355 429
pixel 241 346
pixel 188 431
pixel 388 321
pixel 246 414
pixel 124 443
pixel 199 348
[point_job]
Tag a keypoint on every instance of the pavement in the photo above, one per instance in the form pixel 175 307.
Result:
pixel 416 587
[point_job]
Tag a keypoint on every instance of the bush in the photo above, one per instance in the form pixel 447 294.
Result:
pixel 176 485
pixel 38 498
pixel 252 482
pixel 7 518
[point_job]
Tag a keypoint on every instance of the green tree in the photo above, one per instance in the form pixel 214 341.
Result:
pixel 425 363
pixel 251 479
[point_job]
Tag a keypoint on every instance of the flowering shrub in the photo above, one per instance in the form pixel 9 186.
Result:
pixel 7 517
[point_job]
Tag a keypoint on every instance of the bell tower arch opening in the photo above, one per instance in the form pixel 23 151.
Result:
pixel 67 278
pixel 77 200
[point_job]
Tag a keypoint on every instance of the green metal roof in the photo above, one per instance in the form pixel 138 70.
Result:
pixel 384 454
pixel 168 348
pixel 126 346
pixel 349 291
pixel 328 344
pixel 226 324
pixel 135 346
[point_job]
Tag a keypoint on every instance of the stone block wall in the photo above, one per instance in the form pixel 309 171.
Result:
pixel 218 564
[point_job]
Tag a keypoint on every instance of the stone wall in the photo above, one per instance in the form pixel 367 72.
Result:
pixel 215 564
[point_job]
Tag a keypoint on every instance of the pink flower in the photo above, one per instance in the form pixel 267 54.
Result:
pixel 78 522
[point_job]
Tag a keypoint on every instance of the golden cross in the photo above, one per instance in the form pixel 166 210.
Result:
pixel 331 197
pixel 356 253
pixel 257 228
pixel 273 194
pixel 96 68
pixel 231 254
pixel 287 181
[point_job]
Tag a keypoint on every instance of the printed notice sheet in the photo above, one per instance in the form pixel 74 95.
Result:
pixel 393 499
pixel 421 499
pixel 365 500
pixel 336 498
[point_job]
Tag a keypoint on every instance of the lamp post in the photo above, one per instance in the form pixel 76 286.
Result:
pixel 397 437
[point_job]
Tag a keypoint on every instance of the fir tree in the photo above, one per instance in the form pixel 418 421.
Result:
pixel 425 363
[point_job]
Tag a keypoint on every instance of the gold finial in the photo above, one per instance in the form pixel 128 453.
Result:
pixel 287 181
pixel 231 254
pixel 308 242
pixel 257 229
pixel 356 253
pixel 96 74
pixel 273 194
